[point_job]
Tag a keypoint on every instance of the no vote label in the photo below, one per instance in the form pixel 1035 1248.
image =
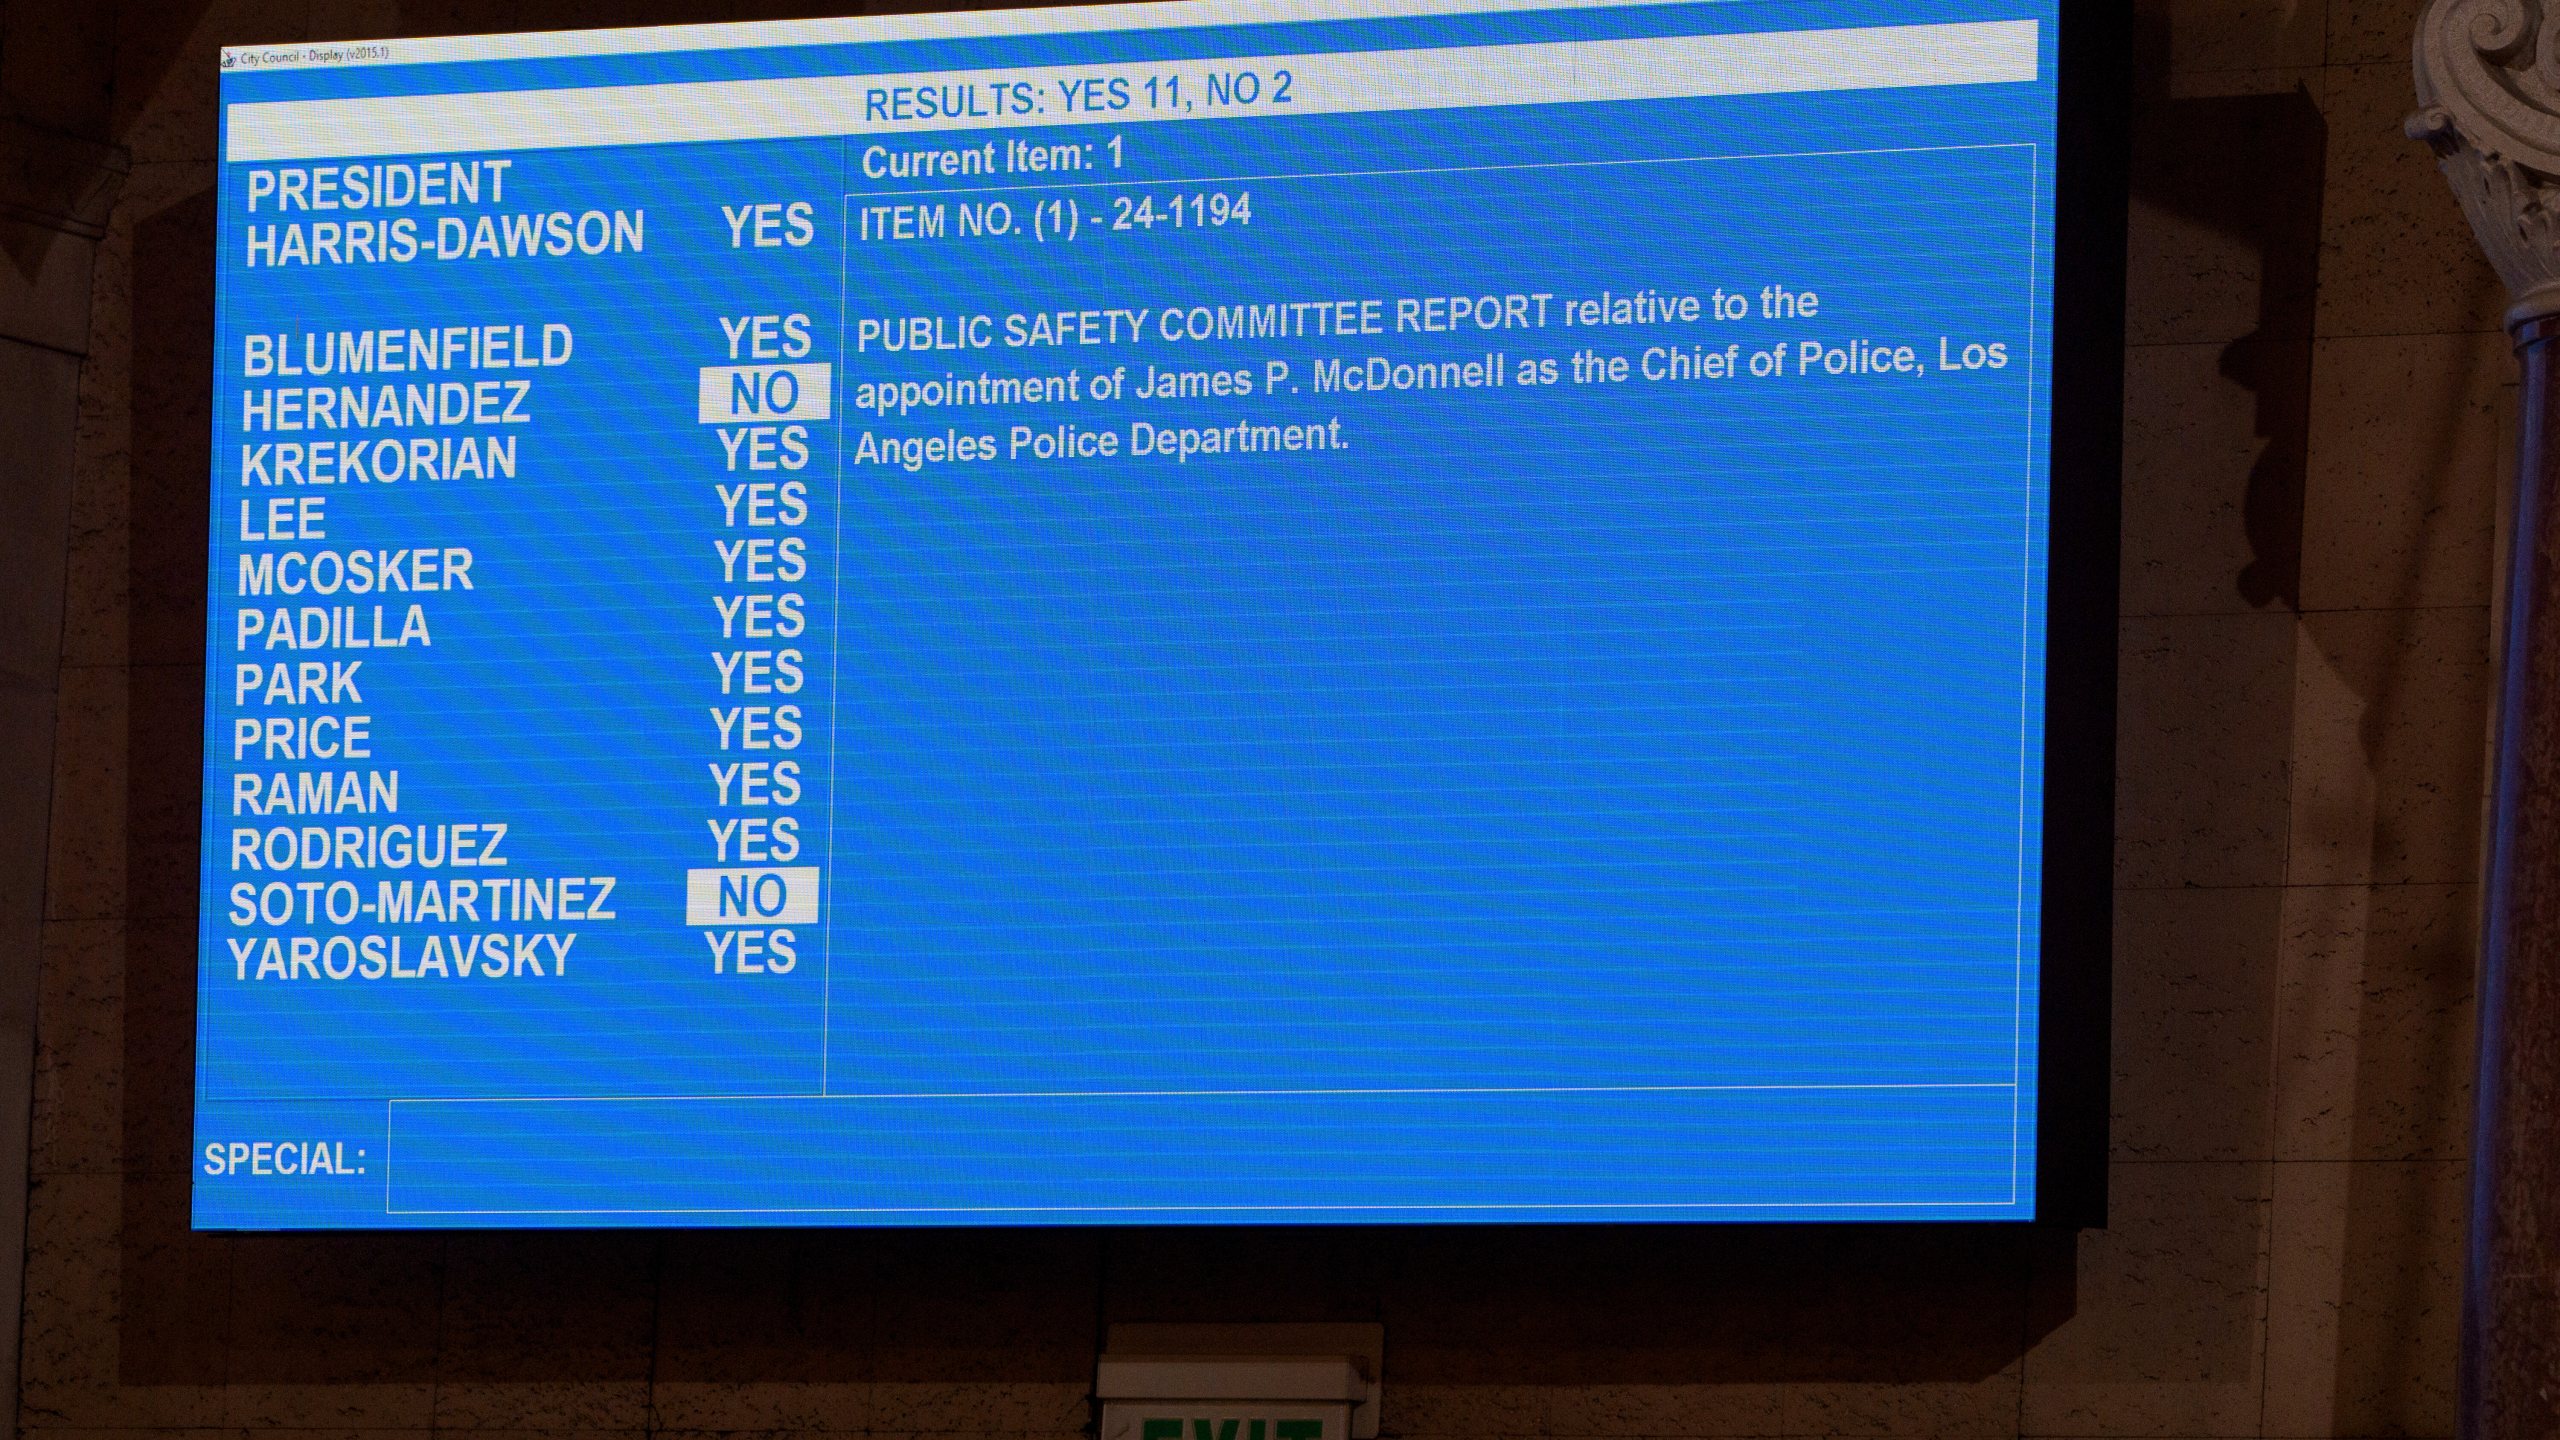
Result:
pixel 751 897
pixel 765 394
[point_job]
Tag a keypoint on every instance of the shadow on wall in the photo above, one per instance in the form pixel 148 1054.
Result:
pixel 1504 1305
pixel 2252 167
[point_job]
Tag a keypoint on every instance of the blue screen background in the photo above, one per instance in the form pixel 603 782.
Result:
pixel 1588 801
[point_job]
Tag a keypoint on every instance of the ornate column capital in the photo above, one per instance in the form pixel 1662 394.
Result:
pixel 2488 74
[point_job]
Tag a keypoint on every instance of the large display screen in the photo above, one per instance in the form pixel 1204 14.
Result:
pixel 1356 610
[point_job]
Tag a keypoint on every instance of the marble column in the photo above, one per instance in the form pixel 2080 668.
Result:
pixel 2488 79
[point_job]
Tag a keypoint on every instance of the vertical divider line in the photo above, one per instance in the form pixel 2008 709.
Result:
pixel 832 877
pixel 2039 398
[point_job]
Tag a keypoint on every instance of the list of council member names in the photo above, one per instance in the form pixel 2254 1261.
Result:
pixel 334 871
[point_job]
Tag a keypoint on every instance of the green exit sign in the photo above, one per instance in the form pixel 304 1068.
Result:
pixel 1229 1427
pixel 1224 1420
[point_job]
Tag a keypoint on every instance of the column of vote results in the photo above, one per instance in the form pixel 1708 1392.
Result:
pixel 1500 641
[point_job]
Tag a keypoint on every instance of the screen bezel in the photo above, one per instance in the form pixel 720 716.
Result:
pixel 2076 959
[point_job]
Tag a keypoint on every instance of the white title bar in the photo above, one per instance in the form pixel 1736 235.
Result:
pixel 1565 72
pixel 870 30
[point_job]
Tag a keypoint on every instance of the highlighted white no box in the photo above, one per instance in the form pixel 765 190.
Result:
pixel 765 394
pixel 751 897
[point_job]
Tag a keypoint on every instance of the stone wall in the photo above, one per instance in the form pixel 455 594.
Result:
pixel 2317 397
